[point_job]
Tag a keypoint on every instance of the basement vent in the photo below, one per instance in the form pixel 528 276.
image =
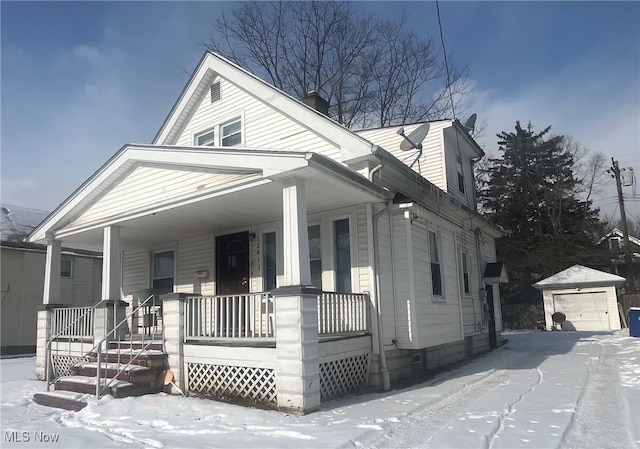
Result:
pixel 215 91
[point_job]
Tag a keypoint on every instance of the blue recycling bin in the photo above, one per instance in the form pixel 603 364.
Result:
pixel 634 321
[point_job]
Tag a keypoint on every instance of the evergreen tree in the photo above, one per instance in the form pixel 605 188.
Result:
pixel 532 192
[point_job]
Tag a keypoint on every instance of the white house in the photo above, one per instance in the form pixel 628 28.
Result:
pixel 587 298
pixel 301 255
pixel 22 278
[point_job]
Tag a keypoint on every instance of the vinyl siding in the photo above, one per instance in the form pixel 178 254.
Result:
pixel 22 276
pixel 401 283
pixel 135 273
pixel 263 126
pixel 451 152
pixel 79 289
pixel 431 165
pixel 363 282
pixel 386 292
pixel 195 254
pixel 148 186
pixel 438 318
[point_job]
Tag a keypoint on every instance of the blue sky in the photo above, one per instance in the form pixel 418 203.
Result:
pixel 81 79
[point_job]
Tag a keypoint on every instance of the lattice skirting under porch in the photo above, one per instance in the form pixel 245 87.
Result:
pixel 62 364
pixel 232 382
pixel 343 376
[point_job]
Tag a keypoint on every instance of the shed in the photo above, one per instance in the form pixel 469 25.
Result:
pixel 586 296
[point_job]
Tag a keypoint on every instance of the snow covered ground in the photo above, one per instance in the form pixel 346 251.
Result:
pixel 572 390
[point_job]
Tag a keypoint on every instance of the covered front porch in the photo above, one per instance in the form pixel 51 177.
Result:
pixel 251 266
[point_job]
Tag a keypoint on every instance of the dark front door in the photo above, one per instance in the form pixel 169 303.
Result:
pixel 232 264
pixel 493 340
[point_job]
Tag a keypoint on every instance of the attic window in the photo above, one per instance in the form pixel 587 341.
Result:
pixel 215 92
pixel 206 138
pixel 615 243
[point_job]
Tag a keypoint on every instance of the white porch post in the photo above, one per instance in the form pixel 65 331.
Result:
pixel 111 310
pixel 295 234
pixel 296 307
pixel 51 293
pixel 111 264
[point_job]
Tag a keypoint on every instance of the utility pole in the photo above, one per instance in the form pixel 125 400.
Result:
pixel 628 259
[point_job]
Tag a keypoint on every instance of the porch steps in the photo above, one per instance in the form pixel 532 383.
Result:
pixel 67 400
pixel 141 377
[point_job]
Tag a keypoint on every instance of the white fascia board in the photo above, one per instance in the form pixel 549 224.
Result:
pixel 349 142
pixel 269 163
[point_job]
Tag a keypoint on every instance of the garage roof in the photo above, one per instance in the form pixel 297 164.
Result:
pixel 579 275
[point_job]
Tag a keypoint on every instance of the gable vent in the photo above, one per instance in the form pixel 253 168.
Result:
pixel 215 91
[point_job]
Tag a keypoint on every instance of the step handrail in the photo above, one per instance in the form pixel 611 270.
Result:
pixel 98 345
pixel 52 338
pixel 119 371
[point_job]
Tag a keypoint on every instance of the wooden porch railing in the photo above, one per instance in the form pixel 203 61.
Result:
pixel 252 316
pixel 73 322
pixel 343 313
pixel 247 316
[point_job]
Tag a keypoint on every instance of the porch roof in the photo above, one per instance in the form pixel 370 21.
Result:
pixel 256 197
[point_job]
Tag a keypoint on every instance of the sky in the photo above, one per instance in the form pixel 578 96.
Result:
pixel 81 79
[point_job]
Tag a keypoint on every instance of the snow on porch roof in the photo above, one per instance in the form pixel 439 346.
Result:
pixel 579 275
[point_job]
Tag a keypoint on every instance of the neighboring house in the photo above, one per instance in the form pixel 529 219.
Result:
pixel 274 225
pixel 22 276
pixel 587 298
pixel 613 243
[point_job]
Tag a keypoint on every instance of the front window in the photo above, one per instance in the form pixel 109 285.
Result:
pixel 315 256
pixel 343 255
pixel 436 276
pixel 66 268
pixel 270 267
pixel 206 138
pixel 162 275
pixel 231 133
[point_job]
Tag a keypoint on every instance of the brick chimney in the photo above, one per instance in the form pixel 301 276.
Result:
pixel 318 103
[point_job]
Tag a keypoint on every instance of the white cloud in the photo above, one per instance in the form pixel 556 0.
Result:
pixel 598 109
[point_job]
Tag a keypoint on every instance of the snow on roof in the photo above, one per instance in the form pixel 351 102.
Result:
pixel 579 275
pixel 18 222
pixel 615 232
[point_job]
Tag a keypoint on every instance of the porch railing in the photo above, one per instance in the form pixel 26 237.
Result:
pixel 252 315
pixel 125 356
pixel 72 322
pixel 249 315
pixel 343 313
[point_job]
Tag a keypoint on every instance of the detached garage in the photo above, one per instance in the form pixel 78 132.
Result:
pixel 586 296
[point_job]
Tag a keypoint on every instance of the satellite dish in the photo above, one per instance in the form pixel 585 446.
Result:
pixel 470 124
pixel 415 137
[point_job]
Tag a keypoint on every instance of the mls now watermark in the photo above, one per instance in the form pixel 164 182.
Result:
pixel 30 437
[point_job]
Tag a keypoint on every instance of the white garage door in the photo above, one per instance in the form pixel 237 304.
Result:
pixel 585 311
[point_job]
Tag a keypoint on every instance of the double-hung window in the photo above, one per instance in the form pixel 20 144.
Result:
pixel 315 255
pixel 162 272
pixel 464 273
pixel 66 268
pixel 270 273
pixel 231 133
pixel 436 275
pixel 207 138
pixel 343 255
pixel 227 134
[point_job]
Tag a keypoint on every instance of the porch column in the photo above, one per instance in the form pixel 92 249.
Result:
pixel 173 305
pixel 51 294
pixel 111 272
pixel 295 234
pixel 297 349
